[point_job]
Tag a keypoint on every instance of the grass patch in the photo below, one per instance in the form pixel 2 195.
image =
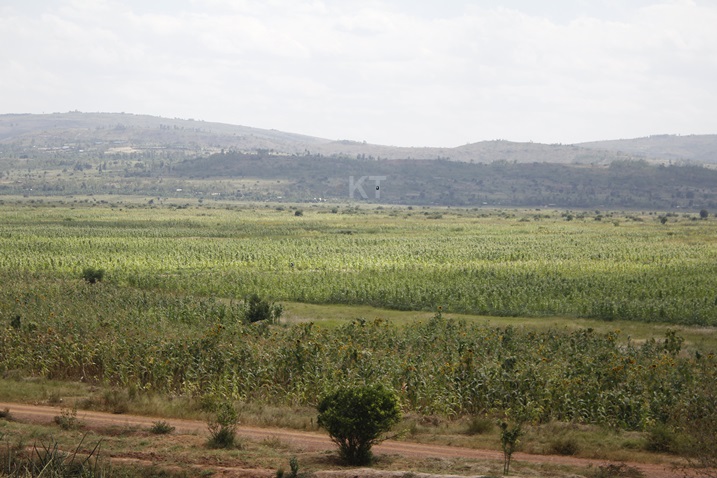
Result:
pixel 566 446
pixel 480 426
pixel 661 439
pixel 32 390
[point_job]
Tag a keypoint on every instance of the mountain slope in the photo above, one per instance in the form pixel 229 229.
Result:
pixel 107 154
pixel 698 148
pixel 98 133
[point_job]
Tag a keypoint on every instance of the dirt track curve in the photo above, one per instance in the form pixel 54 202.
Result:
pixel 313 441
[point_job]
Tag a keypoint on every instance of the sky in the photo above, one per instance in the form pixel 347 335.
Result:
pixel 395 72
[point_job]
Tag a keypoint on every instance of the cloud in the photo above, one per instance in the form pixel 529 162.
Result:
pixel 392 72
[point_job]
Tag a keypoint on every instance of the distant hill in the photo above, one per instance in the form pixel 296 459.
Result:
pixel 697 148
pixel 100 133
pixel 101 154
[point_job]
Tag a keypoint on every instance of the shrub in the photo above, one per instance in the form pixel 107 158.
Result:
pixel 161 428
pixel 509 440
pixel 293 466
pixel 661 439
pixel 116 401
pixel 698 443
pixel 222 428
pixel 479 426
pixel 92 275
pixel 67 419
pixel 257 309
pixel 566 445
pixel 356 417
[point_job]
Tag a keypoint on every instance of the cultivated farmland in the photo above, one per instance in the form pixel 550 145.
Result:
pixel 166 318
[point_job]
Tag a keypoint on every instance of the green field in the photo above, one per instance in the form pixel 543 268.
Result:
pixel 167 317
pixel 513 263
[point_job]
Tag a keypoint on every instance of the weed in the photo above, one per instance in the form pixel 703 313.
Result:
pixel 661 439
pixel 566 445
pixel 48 460
pixel 479 426
pixel 116 401
pixel 222 427
pixel 293 466
pixel 54 398
pixel 273 442
pixel 161 428
pixel 67 419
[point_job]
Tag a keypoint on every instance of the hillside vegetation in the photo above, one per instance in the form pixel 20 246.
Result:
pixel 101 154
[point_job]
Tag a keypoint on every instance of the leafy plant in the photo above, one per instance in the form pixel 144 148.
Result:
pixel 222 427
pixel 566 445
pixel 116 401
pixel 357 417
pixel 293 466
pixel 698 441
pixel 509 441
pixel 479 426
pixel 257 309
pixel 67 419
pixel 161 428
pixel 93 275
pixel 47 460
pixel 661 439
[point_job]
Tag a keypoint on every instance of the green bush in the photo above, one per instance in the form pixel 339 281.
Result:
pixel 222 427
pixel 357 417
pixel 257 309
pixel 509 441
pixel 92 275
pixel 661 439
pixel 67 419
pixel 161 428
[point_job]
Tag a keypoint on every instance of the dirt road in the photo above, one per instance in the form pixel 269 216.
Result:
pixel 310 441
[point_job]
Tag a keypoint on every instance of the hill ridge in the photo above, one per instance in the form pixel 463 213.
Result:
pixel 57 130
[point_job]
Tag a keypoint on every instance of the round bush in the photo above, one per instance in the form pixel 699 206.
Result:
pixel 356 417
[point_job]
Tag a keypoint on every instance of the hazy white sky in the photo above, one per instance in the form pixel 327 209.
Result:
pixel 398 72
